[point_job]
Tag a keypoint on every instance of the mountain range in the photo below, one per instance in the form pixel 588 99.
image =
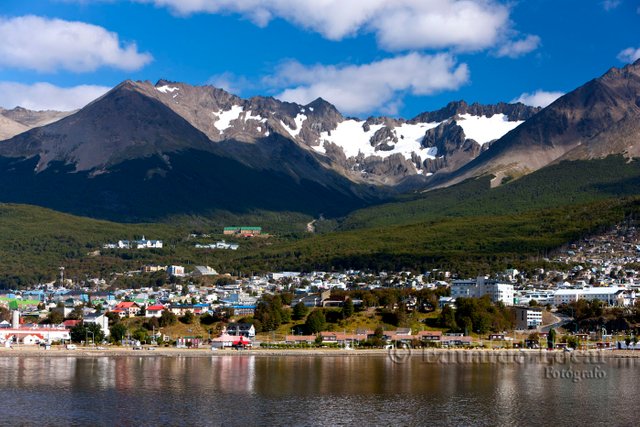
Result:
pixel 145 151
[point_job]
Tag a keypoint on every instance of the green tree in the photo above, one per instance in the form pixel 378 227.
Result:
pixel 448 318
pixel 188 318
pixel 167 318
pixel 316 322
pixel 84 332
pixel 76 314
pixel 347 308
pixel 140 335
pixel 551 338
pixel 55 318
pixel 118 332
pixel 300 311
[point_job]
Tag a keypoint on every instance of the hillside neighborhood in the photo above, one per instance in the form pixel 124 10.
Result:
pixel 215 309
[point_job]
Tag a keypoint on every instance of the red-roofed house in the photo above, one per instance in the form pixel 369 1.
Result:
pixel 71 323
pixel 154 310
pixel 127 309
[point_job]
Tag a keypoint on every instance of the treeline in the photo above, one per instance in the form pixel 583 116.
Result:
pixel 479 315
pixel 393 304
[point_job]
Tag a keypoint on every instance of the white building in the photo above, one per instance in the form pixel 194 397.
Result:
pixel 99 319
pixel 612 295
pixel 144 243
pixel 481 286
pixel 176 270
pixel 541 297
pixel 528 317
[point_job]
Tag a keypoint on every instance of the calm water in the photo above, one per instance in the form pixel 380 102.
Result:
pixel 308 390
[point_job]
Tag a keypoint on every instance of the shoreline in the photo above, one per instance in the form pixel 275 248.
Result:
pixel 442 355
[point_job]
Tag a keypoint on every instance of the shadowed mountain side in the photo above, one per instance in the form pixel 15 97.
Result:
pixel 152 188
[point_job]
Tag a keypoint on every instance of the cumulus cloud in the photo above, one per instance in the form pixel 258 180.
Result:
pixel 47 45
pixel 539 98
pixel 630 54
pixel 358 89
pixel 398 24
pixel 516 48
pixel 45 96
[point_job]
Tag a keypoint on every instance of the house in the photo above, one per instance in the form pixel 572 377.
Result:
pixel 99 319
pixel 430 335
pixel 153 268
pixel 204 270
pixel 223 341
pixel 447 301
pixel 243 231
pixel 127 309
pixel 300 339
pixel 175 270
pixel 241 329
pixel 154 310
pixel 243 309
pixel 144 244
pixel 188 342
pixel 181 309
pixel 456 341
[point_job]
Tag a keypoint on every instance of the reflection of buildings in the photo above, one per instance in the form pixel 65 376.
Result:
pixel 234 374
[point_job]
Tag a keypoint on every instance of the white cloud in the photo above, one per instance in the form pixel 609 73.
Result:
pixel 358 89
pixel 610 4
pixel 539 98
pixel 230 82
pixel 47 45
pixel 629 55
pixel 398 24
pixel 45 96
pixel 514 49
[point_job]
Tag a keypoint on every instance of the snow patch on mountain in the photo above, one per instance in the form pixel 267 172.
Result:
pixel 351 136
pixel 485 129
pixel 299 120
pixel 224 118
pixel 249 116
pixel 166 89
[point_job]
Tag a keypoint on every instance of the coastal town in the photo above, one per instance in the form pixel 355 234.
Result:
pixel 199 307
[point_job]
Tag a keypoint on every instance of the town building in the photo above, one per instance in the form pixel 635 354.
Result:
pixel 243 231
pixel 481 286
pixel 528 317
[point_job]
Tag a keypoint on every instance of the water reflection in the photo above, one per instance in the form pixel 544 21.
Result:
pixel 249 390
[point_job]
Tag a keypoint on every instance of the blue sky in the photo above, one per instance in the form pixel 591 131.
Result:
pixel 369 57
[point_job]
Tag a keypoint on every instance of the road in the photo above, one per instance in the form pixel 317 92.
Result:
pixel 561 321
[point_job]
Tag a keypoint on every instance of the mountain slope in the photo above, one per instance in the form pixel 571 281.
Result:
pixel 18 120
pixel 593 120
pixel 9 128
pixel 127 156
pixel 145 151
pixel 379 150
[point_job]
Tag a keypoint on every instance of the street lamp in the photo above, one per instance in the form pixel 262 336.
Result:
pixel 93 337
